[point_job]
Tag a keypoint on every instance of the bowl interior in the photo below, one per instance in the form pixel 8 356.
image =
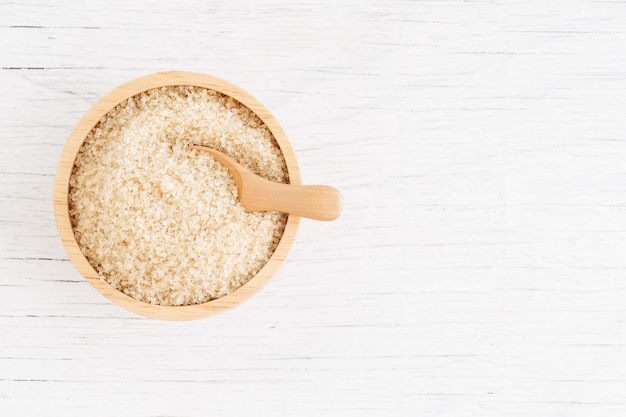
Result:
pixel 64 172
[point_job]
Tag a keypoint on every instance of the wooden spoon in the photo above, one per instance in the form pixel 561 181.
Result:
pixel 318 202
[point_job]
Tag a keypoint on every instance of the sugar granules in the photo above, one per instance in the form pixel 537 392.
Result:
pixel 161 222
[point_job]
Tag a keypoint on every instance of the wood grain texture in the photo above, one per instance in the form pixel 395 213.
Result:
pixel 477 268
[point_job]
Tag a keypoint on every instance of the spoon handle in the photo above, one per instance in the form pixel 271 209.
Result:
pixel 317 202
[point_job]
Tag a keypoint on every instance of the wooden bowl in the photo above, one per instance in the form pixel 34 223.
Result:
pixel 66 164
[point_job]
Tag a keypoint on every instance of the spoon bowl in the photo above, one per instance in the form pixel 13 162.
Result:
pixel 255 193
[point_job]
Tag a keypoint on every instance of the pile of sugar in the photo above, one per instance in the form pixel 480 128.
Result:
pixel 161 222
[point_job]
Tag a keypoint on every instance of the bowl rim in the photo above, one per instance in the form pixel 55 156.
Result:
pixel 66 165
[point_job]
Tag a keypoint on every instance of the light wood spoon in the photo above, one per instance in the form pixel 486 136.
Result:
pixel 318 202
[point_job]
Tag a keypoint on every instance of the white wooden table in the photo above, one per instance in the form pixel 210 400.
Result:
pixel 478 268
